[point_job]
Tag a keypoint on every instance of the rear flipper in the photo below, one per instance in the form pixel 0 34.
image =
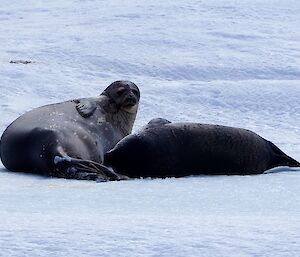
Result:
pixel 282 159
pixel 72 168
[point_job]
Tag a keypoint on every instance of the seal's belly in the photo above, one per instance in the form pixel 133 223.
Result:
pixel 84 138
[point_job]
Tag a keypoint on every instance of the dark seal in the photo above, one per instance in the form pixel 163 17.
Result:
pixel 164 149
pixel 69 139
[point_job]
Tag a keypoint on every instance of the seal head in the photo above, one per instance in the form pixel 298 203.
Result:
pixel 125 94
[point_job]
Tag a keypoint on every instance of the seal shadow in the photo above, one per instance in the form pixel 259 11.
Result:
pixel 3 170
pixel 283 169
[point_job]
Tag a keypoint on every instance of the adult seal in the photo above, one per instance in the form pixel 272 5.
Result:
pixel 165 149
pixel 69 139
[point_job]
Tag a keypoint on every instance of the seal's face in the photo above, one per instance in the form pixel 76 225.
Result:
pixel 124 94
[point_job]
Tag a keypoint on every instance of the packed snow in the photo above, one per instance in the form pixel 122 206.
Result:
pixel 226 62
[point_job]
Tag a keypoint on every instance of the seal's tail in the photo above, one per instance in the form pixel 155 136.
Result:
pixel 282 159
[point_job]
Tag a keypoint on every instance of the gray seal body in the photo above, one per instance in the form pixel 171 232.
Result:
pixel 164 149
pixel 66 139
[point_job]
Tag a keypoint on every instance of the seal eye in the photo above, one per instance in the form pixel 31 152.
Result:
pixel 121 91
pixel 135 92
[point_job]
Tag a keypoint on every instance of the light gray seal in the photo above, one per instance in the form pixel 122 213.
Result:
pixel 69 139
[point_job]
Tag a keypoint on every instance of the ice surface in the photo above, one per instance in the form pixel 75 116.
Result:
pixel 228 62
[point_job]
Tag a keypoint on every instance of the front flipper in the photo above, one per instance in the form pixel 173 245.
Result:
pixel 85 107
pixel 73 168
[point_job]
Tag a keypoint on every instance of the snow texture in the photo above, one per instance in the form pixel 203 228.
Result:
pixel 225 62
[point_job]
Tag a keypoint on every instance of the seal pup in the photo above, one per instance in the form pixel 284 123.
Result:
pixel 69 139
pixel 165 149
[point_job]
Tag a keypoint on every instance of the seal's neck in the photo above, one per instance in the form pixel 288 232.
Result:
pixel 125 120
pixel 122 118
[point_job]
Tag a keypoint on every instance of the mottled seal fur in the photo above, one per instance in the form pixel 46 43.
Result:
pixel 69 139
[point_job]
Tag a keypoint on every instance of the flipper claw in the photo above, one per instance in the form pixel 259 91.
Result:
pixel 86 107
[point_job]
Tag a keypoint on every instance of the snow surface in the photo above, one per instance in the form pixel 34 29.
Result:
pixel 227 62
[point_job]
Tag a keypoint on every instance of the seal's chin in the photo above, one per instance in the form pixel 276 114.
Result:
pixel 130 108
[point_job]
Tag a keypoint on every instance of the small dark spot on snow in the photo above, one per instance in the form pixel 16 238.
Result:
pixel 20 61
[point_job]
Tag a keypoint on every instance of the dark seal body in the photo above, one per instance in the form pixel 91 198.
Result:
pixel 164 149
pixel 83 129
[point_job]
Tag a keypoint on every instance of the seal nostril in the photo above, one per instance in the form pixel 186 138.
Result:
pixel 130 101
pixel 131 98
